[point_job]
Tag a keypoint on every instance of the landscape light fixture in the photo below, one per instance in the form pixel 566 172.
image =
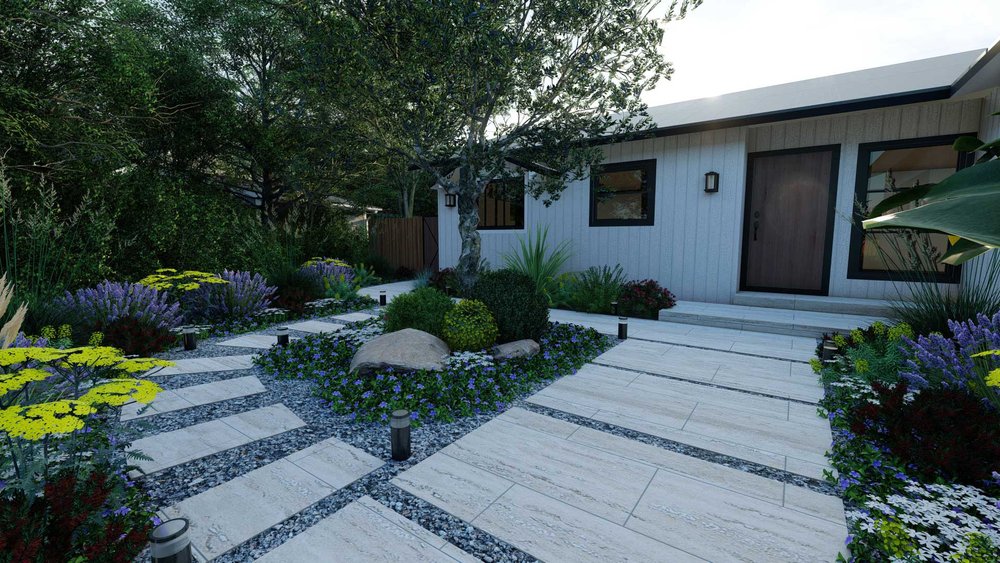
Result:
pixel 711 182
pixel 622 328
pixel 450 200
pixel 282 336
pixel 614 307
pixel 382 300
pixel 829 350
pixel 399 435
pixel 169 542
pixel 190 338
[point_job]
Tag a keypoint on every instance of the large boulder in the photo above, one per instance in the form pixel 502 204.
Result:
pixel 407 349
pixel 517 349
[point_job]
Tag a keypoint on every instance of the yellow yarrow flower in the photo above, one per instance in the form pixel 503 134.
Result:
pixel 993 379
pixel 34 422
pixel 94 356
pixel 139 365
pixel 14 356
pixel 17 380
pixel 120 391
pixel 322 260
pixel 169 279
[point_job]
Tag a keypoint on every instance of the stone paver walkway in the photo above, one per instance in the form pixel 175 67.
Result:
pixel 683 443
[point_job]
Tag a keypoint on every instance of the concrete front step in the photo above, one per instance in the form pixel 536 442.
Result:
pixel 764 319
pixel 817 303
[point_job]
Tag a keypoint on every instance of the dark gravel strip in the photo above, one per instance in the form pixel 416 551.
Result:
pixel 188 379
pixel 376 484
pixel 175 420
pixel 810 483
pixel 707 384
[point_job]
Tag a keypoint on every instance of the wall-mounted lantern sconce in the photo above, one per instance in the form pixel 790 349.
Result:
pixel 711 182
pixel 450 200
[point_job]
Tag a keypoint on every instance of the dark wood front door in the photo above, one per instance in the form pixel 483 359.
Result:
pixel 788 221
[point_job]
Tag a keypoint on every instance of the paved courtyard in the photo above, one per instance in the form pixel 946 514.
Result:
pixel 683 443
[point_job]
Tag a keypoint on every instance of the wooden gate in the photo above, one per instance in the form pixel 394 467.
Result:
pixel 406 242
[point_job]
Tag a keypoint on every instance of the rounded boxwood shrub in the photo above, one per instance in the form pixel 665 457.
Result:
pixel 423 309
pixel 469 326
pixel 520 310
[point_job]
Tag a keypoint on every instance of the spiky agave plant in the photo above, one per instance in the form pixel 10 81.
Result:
pixel 535 260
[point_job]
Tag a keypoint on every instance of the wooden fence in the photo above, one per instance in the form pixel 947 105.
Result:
pixel 409 242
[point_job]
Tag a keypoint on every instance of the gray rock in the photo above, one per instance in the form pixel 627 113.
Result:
pixel 517 349
pixel 407 349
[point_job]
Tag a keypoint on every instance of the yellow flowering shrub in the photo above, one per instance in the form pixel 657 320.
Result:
pixel 169 279
pixel 993 377
pixel 16 356
pixel 34 422
pixel 17 380
pixel 322 260
pixel 121 391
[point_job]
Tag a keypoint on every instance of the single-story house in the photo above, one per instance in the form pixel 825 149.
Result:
pixel 755 191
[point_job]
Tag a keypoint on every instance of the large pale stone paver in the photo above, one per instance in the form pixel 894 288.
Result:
pixel 561 469
pixel 204 365
pixel 551 530
pixel 750 427
pixel 690 510
pixel 780 378
pixel 195 395
pixel 186 444
pixel 260 341
pixel 316 327
pixel 715 524
pixel 365 530
pixel 229 514
pixel 795 348
pixel 353 317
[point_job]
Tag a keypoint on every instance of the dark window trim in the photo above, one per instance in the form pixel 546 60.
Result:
pixel 831 205
pixel 952 274
pixel 649 169
pixel 505 227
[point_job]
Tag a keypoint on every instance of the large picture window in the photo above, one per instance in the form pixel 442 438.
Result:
pixel 885 169
pixel 501 206
pixel 621 194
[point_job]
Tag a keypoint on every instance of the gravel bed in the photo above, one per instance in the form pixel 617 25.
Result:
pixel 810 483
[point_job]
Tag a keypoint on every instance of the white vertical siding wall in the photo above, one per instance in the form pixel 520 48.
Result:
pixel 849 131
pixel 694 246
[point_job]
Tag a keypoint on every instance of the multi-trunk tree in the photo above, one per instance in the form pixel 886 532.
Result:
pixel 471 86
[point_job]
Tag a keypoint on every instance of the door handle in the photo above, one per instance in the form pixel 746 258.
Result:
pixel 756 225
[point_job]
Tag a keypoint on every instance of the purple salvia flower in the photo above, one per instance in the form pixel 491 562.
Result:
pixel 110 301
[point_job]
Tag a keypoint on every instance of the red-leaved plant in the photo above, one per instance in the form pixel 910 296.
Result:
pixel 940 433
pixel 644 299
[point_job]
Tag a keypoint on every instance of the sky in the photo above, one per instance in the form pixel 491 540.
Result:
pixel 732 45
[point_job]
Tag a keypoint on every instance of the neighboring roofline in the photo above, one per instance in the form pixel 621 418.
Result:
pixel 984 60
pixel 875 102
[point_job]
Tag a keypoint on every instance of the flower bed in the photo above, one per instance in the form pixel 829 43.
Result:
pixel 910 460
pixel 473 383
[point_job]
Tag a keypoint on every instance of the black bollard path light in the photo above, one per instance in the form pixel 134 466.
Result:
pixel 190 338
pixel 169 542
pixel 399 429
pixel 829 350
pixel 282 335
pixel 622 328
pixel 614 307
pixel 382 300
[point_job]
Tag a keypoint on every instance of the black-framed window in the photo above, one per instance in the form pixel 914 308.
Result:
pixel 888 168
pixel 501 205
pixel 621 194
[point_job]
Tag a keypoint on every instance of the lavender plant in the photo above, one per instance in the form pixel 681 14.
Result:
pixel 244 296
pixel 936 361
pixel 328 271
pixel 110 301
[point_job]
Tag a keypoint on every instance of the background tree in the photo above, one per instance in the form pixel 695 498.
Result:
pixel 466 84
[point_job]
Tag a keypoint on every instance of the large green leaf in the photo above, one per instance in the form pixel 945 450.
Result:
pixel 962 251
pixel 974 217
pixel 979 179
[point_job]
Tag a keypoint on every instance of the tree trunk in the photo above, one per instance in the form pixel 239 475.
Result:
pixel 468 221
